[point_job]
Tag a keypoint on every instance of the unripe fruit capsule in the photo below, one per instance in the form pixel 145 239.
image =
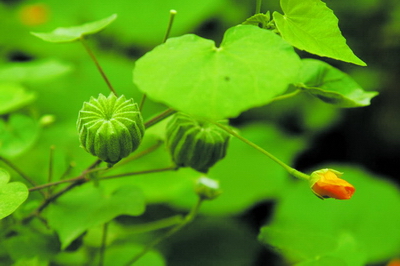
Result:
pixel 195 143
pixel 110 127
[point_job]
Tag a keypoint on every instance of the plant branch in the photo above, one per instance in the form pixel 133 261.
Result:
pixel 96 62
pixel 289 169
pixel 170 168
pixel 159 117
pixel 188 218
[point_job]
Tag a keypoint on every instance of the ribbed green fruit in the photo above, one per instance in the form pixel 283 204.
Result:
pixel 110 127
pixel 195 143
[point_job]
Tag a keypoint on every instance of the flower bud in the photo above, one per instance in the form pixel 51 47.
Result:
pixel 325 183
pixel 110 128
pixel 195 143
pixel 207 188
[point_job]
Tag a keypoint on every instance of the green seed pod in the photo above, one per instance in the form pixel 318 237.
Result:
pixel 110 127
pixel 195 143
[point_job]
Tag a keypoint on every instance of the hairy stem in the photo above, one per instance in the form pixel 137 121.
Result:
pixel 188 218
pixel 96 62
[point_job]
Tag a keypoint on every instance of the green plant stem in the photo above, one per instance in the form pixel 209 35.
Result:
pixel 103 244
pixel 157 225
pixel 172 14
pixel 22 174
pixel 289 169
pixel 51 161
pixel 170 168
pixel 96 62
pixel 258 6
pixel 137 155
pixel 79 181
pixel 17 170
pixel 188 218
pixel 71 180
pixel 159 117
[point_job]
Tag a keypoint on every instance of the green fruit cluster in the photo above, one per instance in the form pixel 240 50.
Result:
pixel 195 143
pixel 110 127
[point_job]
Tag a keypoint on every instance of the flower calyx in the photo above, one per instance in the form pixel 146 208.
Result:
pixel 326 183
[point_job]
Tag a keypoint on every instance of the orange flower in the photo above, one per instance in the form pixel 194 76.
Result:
pixel 394 262
pixel 325 183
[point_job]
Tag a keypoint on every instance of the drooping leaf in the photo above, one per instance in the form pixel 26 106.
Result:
pixel 12 194
pixel 14 97
pixel 332 86
pixel 17 134
pixel 192 75
pixel 86 206
pixel 305 228
pixel 71 34
pixel 311 26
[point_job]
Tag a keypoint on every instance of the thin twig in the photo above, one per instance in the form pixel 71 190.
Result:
pixel 22 174
pixel 96 62
pixel 103 244
pixel 159 117
pixel 51 164
pixel 170 168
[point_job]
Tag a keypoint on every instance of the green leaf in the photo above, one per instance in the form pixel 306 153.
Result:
pixel 260 19
pixel 311 26
pixel 14 97
pixel 87 206
pixel 33 71
pixel 305 228
pixel 332 86
pixel 17 134
pixel 12 195
pixel 71 34
pixel 192 75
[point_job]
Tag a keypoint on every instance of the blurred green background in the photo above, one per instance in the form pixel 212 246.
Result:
pixel 55 79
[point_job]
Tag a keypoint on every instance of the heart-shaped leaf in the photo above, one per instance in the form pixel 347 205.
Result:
pixel 192 75
pixel 311 26
pixel 71 34
pixel 332 86
pixel 86 206
pixel 12 195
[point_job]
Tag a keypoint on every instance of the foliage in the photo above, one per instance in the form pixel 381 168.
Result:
pixel 62 206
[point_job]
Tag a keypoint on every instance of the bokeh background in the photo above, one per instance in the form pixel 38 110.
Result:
pixel 368 137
